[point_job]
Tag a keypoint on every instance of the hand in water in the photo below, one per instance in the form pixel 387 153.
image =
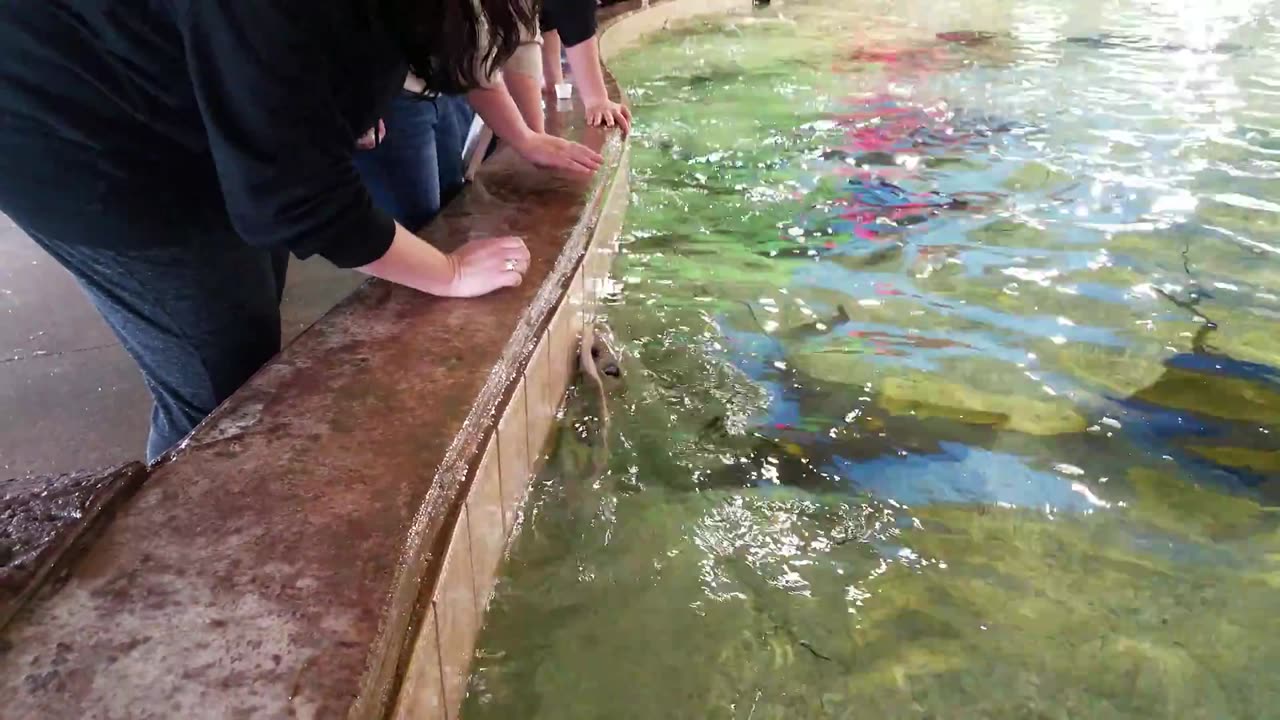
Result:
pixel 549 151
pixel 482 266
pixel 370 140
pixel 609 114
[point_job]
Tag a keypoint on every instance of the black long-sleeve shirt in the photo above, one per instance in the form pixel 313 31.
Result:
pixel 574 20
pixel 125 121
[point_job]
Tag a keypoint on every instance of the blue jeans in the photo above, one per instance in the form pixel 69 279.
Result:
pixel 199 316
pixel 417 167
pixel 201 313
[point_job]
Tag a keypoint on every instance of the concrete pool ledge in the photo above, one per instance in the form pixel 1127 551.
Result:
pixel 325 544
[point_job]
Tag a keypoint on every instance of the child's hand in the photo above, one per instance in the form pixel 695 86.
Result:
pixel 609 114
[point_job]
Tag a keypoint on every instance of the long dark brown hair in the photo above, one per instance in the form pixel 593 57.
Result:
pixel 441 39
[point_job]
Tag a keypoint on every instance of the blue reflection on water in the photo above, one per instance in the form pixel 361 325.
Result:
pixel 963 474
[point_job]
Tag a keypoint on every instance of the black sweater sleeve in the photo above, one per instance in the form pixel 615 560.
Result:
pixel 262 75
pixel 575 20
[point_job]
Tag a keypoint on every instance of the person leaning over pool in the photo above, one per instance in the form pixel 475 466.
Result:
pixel 171 153
pixel 417 167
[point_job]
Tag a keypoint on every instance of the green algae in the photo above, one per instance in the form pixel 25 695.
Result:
pixel 926 397
pixel 1214 396
pixel 1259 461
pixel 1175 505
pixel 1007 232
pixel 1251 222
pixel 1247 337
pixel 1117 372
pixel 1061 615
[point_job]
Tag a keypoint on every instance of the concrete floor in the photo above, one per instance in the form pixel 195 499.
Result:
pixel 70 398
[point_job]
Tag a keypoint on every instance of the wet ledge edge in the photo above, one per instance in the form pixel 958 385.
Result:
pixel 313 548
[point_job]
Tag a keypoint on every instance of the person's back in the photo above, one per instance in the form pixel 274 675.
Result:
pixel 170 154
pixel 99 104
pixel 84 85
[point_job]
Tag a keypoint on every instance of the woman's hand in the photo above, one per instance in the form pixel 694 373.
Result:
pixel 609 114
pixel 482 266
pixel 477 268
pixel 549 151
pixel 371 139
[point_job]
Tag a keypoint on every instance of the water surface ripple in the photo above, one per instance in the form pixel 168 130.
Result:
pixel 949 378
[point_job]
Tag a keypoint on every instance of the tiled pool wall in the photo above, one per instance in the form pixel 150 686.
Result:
pixel 434 682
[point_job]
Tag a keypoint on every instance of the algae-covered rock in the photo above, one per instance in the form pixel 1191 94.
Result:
pixel 1210 257
pixel 926 397
pixel 1033 176
pixel 992 394
pixel 1251 459
pixel 1240 214
pixel 1117 371
pixel 1247 337
pixel 1168 501
pixel 1006 232
pixel 1215 396
pixel 1162 676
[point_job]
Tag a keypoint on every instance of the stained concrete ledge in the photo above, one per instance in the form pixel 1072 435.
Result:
pixel 324 545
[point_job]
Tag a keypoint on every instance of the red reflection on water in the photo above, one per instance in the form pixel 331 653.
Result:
pixel 890 139
pixel 881 339
pixel 900 57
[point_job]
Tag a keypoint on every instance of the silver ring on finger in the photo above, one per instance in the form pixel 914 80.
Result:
pixel 512 265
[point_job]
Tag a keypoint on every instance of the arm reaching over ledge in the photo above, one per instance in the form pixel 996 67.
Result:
pixel 584 60
pixel 499 112
pixel 573 23
pixel 477 268
pixel 510 120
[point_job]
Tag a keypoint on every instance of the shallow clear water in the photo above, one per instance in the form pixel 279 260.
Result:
pixel 950 380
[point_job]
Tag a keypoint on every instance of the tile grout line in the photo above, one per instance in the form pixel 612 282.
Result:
pixel 444 691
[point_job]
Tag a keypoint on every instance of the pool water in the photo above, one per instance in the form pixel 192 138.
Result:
pixel 950 379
